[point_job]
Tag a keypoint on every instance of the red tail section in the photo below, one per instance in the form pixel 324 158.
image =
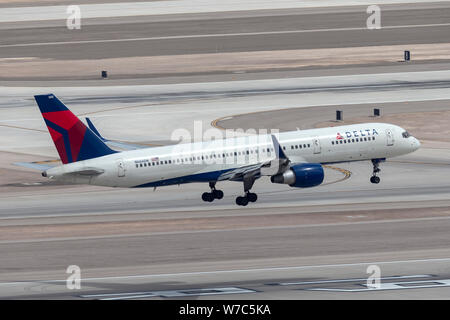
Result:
pixel 72 139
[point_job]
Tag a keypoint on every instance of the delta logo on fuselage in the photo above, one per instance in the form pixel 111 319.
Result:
pixel 357 134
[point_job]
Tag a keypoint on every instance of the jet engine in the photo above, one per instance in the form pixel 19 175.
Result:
pixel 304 175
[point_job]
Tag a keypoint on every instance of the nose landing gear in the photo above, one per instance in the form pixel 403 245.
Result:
pixel 376 169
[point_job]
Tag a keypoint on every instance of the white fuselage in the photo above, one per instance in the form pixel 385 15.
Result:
pixel 207 161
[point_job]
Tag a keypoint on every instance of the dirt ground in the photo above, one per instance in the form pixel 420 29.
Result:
pixel 31 67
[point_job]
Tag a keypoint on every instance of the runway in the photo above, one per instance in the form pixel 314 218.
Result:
pixel 292 243
pixel 285 32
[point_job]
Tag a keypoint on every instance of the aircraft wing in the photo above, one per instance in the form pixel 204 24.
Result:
pixel 267 168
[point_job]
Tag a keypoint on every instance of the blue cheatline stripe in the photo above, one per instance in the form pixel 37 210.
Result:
pixel 200 177
pixel 65 135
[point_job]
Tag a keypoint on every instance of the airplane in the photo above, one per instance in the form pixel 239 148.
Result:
pixel 295 158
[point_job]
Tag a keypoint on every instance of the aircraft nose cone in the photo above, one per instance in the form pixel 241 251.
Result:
pixel 416 144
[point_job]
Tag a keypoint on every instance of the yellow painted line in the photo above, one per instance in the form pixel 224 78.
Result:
pixel 22 128
pixel 114 109
pixel 215 124
pixel 347 174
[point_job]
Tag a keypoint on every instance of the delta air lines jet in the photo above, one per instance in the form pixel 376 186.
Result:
pixel 294 158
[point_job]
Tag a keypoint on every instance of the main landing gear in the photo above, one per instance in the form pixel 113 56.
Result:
pixel 249 180
pixel 214 194
pixel 376 163
pixel 249 197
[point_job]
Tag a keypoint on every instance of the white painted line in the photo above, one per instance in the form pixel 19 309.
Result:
pixel 128 9
pixel 194 36
pixel 350 280
pixel 233 271
pixel 169 293
pixel 393 286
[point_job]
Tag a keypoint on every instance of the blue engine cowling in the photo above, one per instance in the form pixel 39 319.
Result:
pixel 304 175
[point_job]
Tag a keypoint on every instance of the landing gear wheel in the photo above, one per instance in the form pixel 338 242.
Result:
pixel 241 201
pixel 252 197
pixel 375 179
pixel 207 197
pixel 218 194
pixel 376 169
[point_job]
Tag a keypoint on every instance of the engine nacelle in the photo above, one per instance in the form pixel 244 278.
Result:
pixel 304 175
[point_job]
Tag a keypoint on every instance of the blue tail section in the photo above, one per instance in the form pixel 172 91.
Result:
pixel 94 129
pixel 73 140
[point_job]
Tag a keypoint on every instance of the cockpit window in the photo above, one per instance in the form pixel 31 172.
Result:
pixel 406 134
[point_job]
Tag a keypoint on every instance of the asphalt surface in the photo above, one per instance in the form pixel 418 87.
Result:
pixel 222 34
pixel 292 243
pixel 288 119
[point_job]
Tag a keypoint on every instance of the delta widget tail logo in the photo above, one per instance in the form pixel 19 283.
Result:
pixel 72 139
pixel 339 137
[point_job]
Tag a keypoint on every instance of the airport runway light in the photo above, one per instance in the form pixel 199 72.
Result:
pixel 407 55
pixel 104 74
pixel 339 115
pixel 376 112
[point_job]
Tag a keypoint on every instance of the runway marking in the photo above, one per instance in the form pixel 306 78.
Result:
pixel 347 174
pixel 280 227
pixel 198 273
pixel 348 280
pixel 391 286
pixel 169 293
pixel 22 128
pixel 217 35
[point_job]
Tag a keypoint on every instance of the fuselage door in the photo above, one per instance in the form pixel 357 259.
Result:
pixel 389 137
pixel 120 168
pixel 316 145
